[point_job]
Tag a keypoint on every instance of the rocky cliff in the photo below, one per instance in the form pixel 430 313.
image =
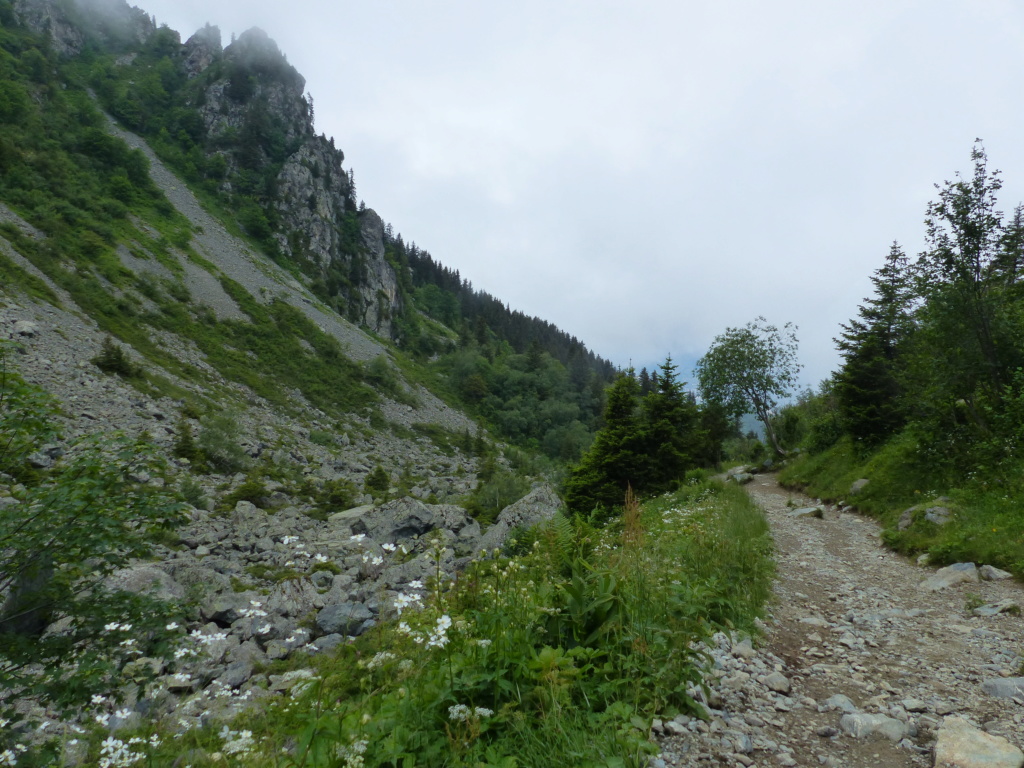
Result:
pixel 255 136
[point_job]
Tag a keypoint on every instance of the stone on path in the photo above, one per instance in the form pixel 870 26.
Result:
pixel 777 682
pixel 817 512
pixel 958 573
pixel 961 745
pixel 861 726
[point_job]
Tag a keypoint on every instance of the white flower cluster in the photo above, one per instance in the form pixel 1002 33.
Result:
pixel 353 754
pixel 403 601
pixel 198 636
pixel 254 610
pixel 460 713
pixel 378 660
pixel 236 742
pixel 115 753
pixel 10 756
pixel 439 637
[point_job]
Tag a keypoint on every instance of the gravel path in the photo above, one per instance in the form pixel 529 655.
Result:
pixel 850 619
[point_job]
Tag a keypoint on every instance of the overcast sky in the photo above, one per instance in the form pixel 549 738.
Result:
pixel 646 174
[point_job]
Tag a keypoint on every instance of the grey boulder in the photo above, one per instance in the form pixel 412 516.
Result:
pixel 343 619
pixel 961 745
pixel 958 573
pixel 862 726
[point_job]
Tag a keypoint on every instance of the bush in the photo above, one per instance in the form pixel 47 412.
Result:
pixel 494 494
pixel 112 359
pixel 218 439
pixel 377 483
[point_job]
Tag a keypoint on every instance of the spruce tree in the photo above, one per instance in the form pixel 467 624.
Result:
pixel 868 386
pixel 616 459
pixel 670 423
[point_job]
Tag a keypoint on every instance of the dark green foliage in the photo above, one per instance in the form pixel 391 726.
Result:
pixel 616 459
pixel 252 489
pixel 377 483
pixel 646 443
pixel 670 433
pixel 868 386
pixel 218 440
pixel 112 359
pixel 185 446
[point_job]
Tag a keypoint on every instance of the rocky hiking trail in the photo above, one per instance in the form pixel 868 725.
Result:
pixel 861 663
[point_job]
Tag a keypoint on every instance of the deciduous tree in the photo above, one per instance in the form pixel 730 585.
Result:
pixel 749 369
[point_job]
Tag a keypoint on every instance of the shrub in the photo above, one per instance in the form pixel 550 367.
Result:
pixel 377 483
pixel 218 439
pixel 112 359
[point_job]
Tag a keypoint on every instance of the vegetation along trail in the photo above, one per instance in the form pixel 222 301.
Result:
pixel 866 660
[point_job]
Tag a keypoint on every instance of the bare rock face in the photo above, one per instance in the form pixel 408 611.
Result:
pixel 201 50
pixel 109 20
pixel 538 505
pixel 961 745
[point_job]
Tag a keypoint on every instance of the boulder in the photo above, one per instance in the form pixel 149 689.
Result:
pixel 26 329
pixel 539 505
pixel 858 486
pixel 958 573
pixel 405 519
pixel 991 573
pixel 777 682
pixel 1009 605
pixel 961 745
pixel 227 608
pixel 343 619
pixel 818 512
pixel 841 702
pixel 1004 687
pixel 938 515
pixel 862 726
pixel 145 579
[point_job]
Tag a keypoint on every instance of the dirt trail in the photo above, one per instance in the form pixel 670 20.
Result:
pixel 850 619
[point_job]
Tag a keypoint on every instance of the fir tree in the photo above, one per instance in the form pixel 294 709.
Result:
pixel 616 459
pixel 669 432
pixel 868 385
